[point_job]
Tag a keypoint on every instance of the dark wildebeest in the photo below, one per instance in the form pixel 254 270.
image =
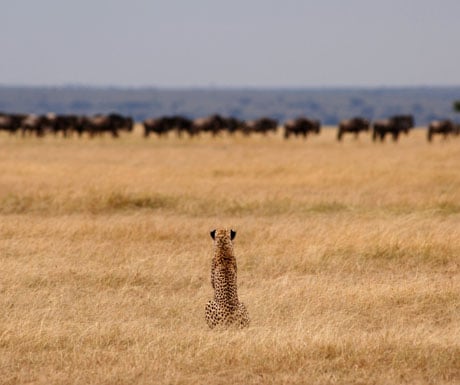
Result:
pixel 161 126
pixel 158 126
pixel 406 122
pixel 442 127
pixel 112 123
pixel 392 126
pixel 182 124
pixel 11 122
pixel 36 124
pixel 213 124
pixel 354 125
pixel 124 123
pixel 66 124
pixel 301 126
pixel 233 125
pixel 262 125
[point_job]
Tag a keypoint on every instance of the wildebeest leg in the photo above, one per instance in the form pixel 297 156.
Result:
pixel 429 135
pixel 395 136
pixel 374 135
pixel 339 135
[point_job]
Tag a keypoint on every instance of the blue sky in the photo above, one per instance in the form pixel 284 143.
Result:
pixel 238 43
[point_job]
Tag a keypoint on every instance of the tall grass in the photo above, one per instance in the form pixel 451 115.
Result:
pixel 348 260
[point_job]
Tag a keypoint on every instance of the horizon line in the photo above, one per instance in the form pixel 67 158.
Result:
pixel 228 87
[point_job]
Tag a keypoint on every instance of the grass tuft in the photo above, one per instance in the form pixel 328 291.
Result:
pixel 126 201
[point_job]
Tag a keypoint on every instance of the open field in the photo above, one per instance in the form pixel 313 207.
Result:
pixel 348 257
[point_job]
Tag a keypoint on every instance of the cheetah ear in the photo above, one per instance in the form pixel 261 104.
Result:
pixel 213 234
pixel 232 234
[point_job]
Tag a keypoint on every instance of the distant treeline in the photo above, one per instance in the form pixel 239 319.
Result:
pixel 329 106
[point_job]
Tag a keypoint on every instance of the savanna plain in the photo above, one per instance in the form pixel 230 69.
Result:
pixel 348 260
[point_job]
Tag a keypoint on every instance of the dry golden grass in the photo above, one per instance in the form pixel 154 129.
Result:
pixel 348 260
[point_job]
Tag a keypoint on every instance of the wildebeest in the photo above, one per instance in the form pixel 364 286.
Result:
pixel 156 125
pixel 36 124
pixel 392 126
pixel 11 122
pixel 406 122
pixel 183 124
pixel 161 126
pixel 354 125
pixel 443 127
pixel 66 124
pixel 99 124
pixel 124 123
pixel 262 125
pixel 233 125
pixel 213 124
pixel 301 126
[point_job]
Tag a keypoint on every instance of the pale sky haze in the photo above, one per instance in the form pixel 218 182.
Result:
pixel 238 43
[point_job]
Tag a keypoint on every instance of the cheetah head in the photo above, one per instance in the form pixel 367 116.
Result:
pixel 223 234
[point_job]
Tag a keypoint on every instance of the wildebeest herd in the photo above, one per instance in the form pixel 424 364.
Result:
pixel 392 126
pixel 214 124
pixel 40 125
pixel 67 125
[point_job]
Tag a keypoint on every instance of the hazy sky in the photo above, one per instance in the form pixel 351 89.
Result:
pixel 255 43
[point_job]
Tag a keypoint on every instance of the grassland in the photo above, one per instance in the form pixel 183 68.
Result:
pixel 349 260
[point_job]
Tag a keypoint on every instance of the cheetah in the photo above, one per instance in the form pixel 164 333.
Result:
pixel 225 309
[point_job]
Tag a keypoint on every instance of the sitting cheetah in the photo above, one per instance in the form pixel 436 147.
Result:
pixel 225 309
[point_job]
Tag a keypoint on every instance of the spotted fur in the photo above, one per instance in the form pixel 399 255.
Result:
pixel 225 309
